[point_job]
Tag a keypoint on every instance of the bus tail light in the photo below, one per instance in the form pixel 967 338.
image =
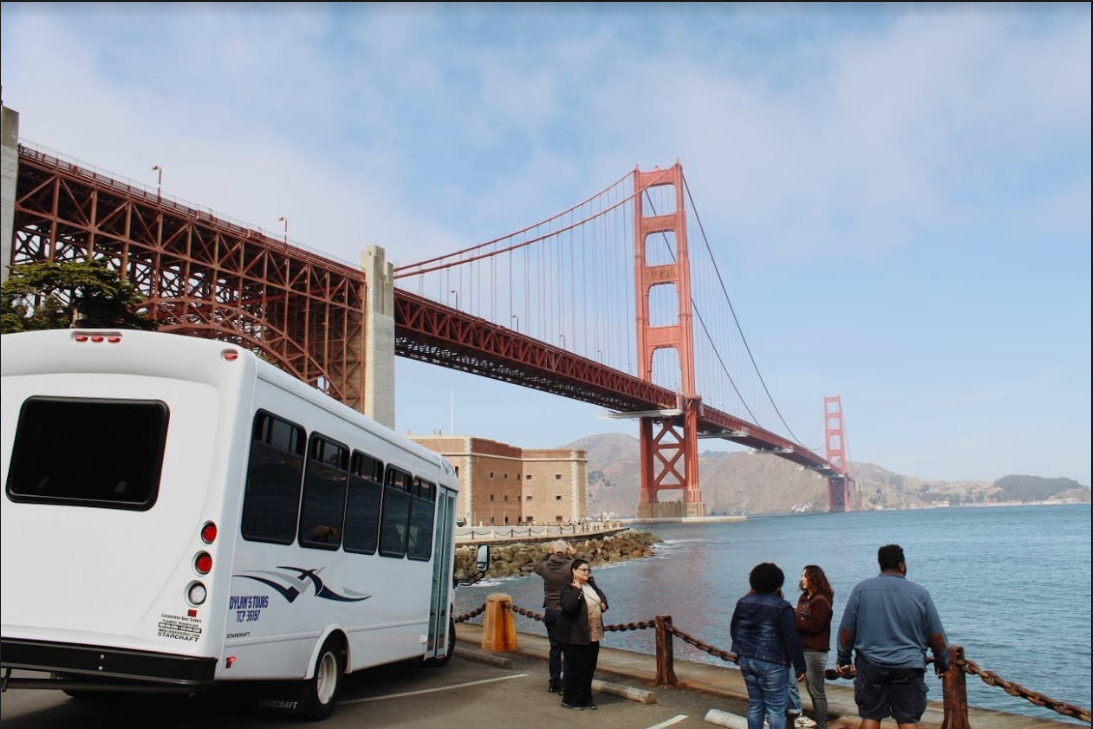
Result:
pixel 208 533
pixel 196 593
pixel 203 563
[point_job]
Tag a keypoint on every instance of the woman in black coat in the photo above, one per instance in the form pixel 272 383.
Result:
pixel 580 630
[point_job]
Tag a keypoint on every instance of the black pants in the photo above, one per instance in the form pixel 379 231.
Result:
pixel 580 667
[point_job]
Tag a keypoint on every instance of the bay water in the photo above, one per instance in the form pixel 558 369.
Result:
pixel 1012 585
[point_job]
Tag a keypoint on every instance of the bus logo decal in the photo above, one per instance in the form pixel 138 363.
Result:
pixel 297 584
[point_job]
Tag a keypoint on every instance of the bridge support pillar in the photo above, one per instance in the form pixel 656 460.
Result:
pixel 379 337
pixel 669 461
pixel 838 496
pixel 9 137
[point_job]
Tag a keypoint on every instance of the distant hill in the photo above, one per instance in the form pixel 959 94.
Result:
pixel 745 483
pixel 1034 488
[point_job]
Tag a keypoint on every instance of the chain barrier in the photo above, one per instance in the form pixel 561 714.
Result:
pixel 968 666
pixel 993 679
pixel 715 652
pixel 464 617
pixel 522 611
pixel 643 625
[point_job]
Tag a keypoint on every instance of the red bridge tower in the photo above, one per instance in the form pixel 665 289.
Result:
pixel 668 436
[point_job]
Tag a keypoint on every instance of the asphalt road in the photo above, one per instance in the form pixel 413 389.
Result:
pixel 464 694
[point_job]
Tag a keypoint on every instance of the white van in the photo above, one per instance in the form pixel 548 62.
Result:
pixel 178 513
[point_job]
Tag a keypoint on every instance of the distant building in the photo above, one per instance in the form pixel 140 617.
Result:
pixel 501 484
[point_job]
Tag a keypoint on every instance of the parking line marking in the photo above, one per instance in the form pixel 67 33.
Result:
pixel 674 720
pixel 433 690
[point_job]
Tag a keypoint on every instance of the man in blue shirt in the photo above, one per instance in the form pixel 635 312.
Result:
pixel 890 622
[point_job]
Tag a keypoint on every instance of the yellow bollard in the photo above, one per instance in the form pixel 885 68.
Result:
pixel 499 625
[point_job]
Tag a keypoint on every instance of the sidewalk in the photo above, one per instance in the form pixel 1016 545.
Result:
pixel 726 681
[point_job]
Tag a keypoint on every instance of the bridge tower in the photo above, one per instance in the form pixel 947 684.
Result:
pixel 838 485
pixel 668 436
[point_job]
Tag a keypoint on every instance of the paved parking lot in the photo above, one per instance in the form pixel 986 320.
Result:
pixel 464 694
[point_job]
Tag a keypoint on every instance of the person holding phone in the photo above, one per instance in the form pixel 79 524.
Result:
pixel 580 630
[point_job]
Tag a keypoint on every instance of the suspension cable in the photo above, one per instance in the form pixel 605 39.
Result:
pixel 720 280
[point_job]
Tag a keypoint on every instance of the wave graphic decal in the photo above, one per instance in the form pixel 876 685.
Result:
pixel 291 586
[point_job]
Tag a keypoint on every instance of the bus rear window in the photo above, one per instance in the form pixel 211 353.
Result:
pixel 88 452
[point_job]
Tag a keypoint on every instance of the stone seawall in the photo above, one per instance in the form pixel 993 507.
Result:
pixel 517 560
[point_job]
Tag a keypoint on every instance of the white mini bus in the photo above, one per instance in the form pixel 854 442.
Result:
pixel 179 514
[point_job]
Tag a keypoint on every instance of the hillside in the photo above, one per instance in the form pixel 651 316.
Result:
pixel 745 483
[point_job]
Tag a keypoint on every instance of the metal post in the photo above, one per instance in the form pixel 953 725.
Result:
pixel 955 692
pixel 666 672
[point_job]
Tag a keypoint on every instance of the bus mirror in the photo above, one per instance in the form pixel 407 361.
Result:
pixel 482 562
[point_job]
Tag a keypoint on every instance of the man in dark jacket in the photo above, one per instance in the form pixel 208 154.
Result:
pixel 764 638
pixel 553 567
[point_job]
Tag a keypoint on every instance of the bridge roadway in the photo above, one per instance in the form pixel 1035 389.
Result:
pixel 467 693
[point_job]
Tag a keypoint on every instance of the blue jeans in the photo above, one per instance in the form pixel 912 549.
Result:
pixel 794 706
pixel 768 692
pixel 550 617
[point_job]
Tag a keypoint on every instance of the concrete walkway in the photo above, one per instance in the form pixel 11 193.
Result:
pixel 728 682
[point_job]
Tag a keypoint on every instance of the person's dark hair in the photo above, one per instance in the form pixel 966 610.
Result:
pixel 577 563
pixel 766 577
pixel 818 580
pixel 889 556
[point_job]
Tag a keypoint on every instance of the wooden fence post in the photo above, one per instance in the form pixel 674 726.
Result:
pixel 666 672
pixel 954 691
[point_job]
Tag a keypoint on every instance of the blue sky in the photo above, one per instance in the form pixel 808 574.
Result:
pixel 897 196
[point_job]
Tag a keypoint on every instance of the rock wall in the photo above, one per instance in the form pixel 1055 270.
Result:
pixel 517 560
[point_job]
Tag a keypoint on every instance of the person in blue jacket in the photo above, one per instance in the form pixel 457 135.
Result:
pixel 765 641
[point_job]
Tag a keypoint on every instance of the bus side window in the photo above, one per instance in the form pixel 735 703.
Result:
pixel 272 499
pixel 323 509
pixel 362 510
pixel 396 512
pixel 422 506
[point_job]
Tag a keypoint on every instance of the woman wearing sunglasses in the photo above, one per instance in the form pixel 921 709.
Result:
pixel 580 630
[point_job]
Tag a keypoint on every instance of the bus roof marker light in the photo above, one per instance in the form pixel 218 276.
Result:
pixel 80 337
pixel 230 354
pixel 208 533
pixel 97 338
pixel 203 563
pixel 113 339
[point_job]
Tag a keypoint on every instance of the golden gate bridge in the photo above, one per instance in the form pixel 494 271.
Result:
pixel 617 301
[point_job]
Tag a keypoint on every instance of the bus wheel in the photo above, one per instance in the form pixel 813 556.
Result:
pixel 321 691
pixel 443 660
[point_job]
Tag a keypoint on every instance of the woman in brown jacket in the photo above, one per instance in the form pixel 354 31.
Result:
pixel 813 617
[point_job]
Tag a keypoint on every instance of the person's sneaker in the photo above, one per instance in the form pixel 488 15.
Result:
pixel 555 687
pixel 590 707
pixel 570 706
pixel 803 722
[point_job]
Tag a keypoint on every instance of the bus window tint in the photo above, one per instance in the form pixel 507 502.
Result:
pixel 324 494
pixel 396 513
pixel 362 508
pixel 422 505
pixel 272 498
pixel 103 453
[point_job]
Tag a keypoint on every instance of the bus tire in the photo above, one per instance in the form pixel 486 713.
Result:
pixel 443 660
pixel 321 690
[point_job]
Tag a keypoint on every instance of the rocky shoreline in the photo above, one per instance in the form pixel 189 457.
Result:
pixel 518 560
